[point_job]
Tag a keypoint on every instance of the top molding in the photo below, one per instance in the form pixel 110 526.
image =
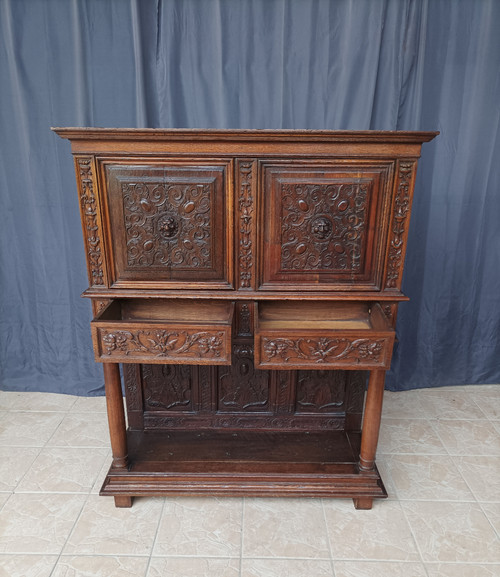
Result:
pixel 353 136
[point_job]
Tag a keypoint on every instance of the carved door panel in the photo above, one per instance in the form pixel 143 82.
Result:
pixel 169 224
pixel 324 225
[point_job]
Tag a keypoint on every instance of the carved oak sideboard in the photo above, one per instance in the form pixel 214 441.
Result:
pixel 248 281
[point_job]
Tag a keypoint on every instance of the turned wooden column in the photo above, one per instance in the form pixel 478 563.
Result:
pixel 371 420
pixel 117 426
pixel 116 415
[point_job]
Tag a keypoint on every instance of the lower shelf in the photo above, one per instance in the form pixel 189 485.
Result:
pixel 244 463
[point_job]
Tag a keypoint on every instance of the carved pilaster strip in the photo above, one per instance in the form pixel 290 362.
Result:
pixel 399 225
pixel 246 214
pixel 91 221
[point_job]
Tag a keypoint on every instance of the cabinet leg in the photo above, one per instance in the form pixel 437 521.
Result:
pixel 371 420
pixel 363 503
pixel 116 415
pixel 123 501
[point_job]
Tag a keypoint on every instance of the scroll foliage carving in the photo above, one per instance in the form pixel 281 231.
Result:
pixel 246 213
pixel 322 350
pixel 88 204
pixel 168 224
pixel 323 226
pixel 397 238
pixel 162 343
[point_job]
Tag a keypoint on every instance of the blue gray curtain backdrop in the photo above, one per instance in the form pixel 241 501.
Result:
pixel 345 64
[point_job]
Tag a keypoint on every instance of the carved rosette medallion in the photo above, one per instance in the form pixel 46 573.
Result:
pixel 246 210
pixel 88 204
pixel 323 226
pixel 162 344
pixel 398 229
pixel 168 224
pixel 322 351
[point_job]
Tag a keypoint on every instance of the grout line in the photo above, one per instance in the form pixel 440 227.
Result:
pixel 243 506
pixel 414 538
pixel 481 506
pixel 332 565
pixel 156 536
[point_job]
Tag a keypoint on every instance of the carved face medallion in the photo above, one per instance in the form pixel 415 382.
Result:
pixel 321 227
pixel 168 227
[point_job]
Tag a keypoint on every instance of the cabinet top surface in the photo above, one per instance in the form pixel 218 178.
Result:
pixel 381 136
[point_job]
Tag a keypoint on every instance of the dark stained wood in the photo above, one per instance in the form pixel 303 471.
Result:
pixel 247 279
pixel 116 415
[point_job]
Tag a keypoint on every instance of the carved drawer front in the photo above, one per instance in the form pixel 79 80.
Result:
pixel 195 332
pixel 170 225
pixel 324 225
pixel 303 335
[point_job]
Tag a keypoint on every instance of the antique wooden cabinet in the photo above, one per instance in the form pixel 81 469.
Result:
pixel 249 282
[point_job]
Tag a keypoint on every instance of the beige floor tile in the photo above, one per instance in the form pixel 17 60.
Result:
pixel 403 405
pixel 14 463
pixel 28 429
pixel 383 468
pixel 27 565
pixel 31 523
pixel 81 430
pixel 62 469
pixel 409 436
pixel 462 570
pixel 452 532
pixel 487 398
pixel 379 534
pixel 482 474
pixel 207 527
pixel 34 401
pixel 450 403
pixel 468 437
pixel 378 569
pixel 4 497
pixel 102 474
pixel 492 511
pixel 286 568
pixel 103 529
pixel 89 566
pixel 89 405
pixel 284 528
pixel 427 477
pixel 193 567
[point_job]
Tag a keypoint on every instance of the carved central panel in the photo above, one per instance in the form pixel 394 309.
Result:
pixel 167 387
pixel 320 391
pixel 241 387
pixel 323 226
pixel 168 224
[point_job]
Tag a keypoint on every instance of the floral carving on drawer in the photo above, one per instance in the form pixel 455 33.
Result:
pixel 168 224
pixel 162 344
pixel 323 225
pixel 303 351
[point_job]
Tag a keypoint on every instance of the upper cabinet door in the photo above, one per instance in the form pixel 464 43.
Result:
pixel 325 224
pixel 169 223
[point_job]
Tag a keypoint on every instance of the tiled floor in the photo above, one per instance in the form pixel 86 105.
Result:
pixel 439 455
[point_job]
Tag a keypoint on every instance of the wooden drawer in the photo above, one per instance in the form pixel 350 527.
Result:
pixel 164 331
pixel 308 335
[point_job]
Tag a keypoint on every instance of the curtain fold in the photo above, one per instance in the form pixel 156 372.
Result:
pixel 349 64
